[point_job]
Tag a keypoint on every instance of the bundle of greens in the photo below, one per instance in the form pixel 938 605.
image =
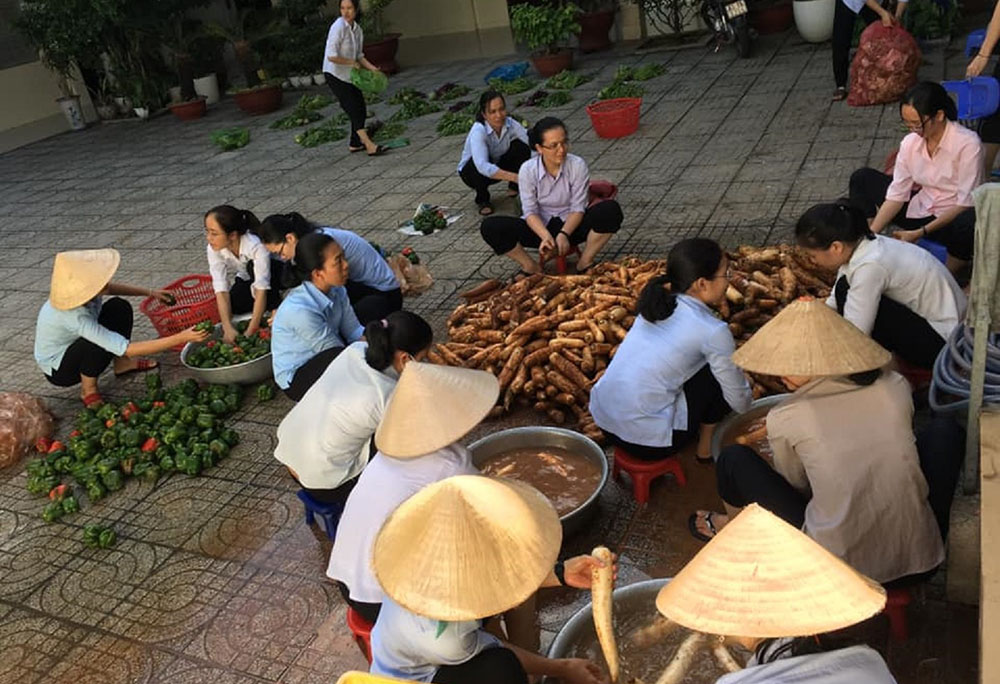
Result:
pixel 520 84
pixel 326 132
pixel 406 94
pixel 231 138
pixel 455 123
pixel 384 132
pixel 567 80
pixel 414 108
pixel 450 91
pixel 543 98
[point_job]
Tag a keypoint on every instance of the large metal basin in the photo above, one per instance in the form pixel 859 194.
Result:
pixel 246 373
pixel 546 436
pixel 726 431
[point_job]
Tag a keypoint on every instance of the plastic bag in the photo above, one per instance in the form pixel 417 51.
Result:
pixel 23 421
pixel 884 67
pixel 414 279
pixel 367 81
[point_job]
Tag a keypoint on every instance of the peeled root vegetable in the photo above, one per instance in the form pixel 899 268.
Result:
pixel 678 667
pixel 724 657
pixel 601 588
pixel 658 630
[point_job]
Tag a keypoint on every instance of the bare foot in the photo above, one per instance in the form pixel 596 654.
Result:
pixel 124 365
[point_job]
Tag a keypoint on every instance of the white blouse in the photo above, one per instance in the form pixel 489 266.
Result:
pixel 342 40
pixel 226 267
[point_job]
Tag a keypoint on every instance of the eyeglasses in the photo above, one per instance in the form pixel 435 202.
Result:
pixel 915 127
pixel 727 275
pixel 556 145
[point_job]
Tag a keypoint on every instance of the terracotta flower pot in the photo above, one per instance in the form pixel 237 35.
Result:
pixel 263 100
pixel 551 64
pixel 189 111
pixel 594 28
pixel 772 18
pixel 382 53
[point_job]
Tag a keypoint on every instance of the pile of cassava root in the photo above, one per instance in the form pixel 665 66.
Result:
pixel 548 339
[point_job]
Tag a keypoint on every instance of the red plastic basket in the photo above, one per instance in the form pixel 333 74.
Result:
pixel 615 118
pixel 195 302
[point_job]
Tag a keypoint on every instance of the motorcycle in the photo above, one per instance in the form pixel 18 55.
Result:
pixel 729 22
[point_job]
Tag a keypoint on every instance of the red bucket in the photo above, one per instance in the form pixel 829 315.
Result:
pixel 615 118
pixel 195 301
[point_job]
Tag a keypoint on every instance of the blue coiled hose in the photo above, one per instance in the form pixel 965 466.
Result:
pixel 954 365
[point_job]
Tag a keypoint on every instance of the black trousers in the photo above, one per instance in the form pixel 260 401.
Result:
pixel 843 35
pixel 511 160
pixel 369 611
pixel 706 406
pixel 309 372
pixel 352 101
pixel 899 329
pixel 83 357
pixel 941 445
pixel 503 233
pixel 496 665
pixel 867 191
pixel 337 495
pixel 370 304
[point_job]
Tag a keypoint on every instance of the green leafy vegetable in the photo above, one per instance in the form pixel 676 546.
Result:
pixel 326 132
pixel 231 138
pixel 412 109
pixel 542 98
pixel 406 94
pixel 369 81
pixel 450 91
pixel 388 131
pixel 455 123
pixel 518 85
pixel 567 80
pixel 620 89
pixel 644 72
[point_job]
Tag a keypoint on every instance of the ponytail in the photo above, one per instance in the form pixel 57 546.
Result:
pixel 399 331
pixel 655 302
pixel 687 261
pixel 233 220
pixel 824 224
pixel 276 226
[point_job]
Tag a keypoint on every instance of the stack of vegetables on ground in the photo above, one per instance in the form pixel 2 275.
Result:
pixel 177 429
pixel 549 338
pixel 219 354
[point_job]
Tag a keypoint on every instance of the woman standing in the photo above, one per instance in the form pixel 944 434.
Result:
pixel 315 322
pixel 845 16
pixel 325 439
pixel 495 148
pixel 371 286
pixel 344 51
pixel 554 189
pixel 945 159
pixel 894 291
pixel 672 378
pixel 77 335
pixel 989 128
pixel 240 268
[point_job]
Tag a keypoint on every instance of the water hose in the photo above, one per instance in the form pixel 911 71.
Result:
pixel 953 367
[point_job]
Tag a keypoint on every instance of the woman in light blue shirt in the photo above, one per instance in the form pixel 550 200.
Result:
pixel 495 148
pixel 371 284
pixel 77 335
pixel 672 378
pixel 315 321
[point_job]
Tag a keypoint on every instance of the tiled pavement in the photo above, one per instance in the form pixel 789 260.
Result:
pixel 217 578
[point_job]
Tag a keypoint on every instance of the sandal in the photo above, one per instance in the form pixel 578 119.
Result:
pixel 485 209
pixel 693 526
pixel 379 151
pixel 839 94
pixel 141 366
pixel 93 400
pixel 704 460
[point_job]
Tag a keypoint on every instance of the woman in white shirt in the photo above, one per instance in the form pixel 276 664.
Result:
pixel 672 378
pixel 240 268
pixel 890 289
pixel 344 51
pixel 324 441
pixel 495 148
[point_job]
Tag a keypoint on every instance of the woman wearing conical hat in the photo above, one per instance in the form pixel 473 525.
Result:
pixel 78 334
pixel 455 553
pixel 763 584
pixel 846 468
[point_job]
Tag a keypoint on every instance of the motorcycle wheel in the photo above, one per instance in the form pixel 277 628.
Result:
pixel 741 29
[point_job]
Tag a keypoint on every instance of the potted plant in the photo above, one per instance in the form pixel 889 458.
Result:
pixel 188 105
pixel 206 56
pixel 814 19
pixel 245 26
pixel 380 47
pixel 546 29
pixel 596 19
pixel 771 16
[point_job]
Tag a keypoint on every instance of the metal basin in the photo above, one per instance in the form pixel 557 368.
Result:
pixel 546 436
pixel 726 431
pixel 246 373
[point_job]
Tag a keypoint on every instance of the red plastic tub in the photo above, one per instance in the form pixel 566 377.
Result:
pixel 195 302
pixel 615 118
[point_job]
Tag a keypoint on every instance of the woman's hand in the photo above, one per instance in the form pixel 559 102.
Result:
pixel 887 19
pixel 229 333
pixel 563 244
pixel 252 329
pixel 580 671
pixel 976 66
pixel 164 297
pixel 547 246
pixel 908 235
pixel 192 335
pixel 578 570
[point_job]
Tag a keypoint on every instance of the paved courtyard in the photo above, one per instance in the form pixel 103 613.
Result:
pixel 217 578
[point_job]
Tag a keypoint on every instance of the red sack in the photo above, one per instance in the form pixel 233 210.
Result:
pixel 23 420
pixel 884 67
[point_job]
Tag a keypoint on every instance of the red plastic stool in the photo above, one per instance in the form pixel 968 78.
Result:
pixel 919 378
pixel 895 609
pixel 362 632
pixel 597 191
pixel 644 472
pixel 560 260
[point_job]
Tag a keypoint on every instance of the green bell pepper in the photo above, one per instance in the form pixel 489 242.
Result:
pixel 265 392
pixel 70 505
pixel 113 480
pixel 52 511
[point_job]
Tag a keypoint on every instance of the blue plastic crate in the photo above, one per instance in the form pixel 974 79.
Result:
pixel 974 41
pixel 507 72
pixel 977 97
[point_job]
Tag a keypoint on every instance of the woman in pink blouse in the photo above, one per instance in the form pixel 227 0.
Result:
pixel 930 192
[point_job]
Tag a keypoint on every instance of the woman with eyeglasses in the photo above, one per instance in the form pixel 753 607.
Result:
pixel 672 378
pixel 372 287
pixel 554 190
pixel 945 160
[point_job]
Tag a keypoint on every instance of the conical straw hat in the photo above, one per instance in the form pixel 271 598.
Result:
pixel 432 407
pixel 78 276
pixel 761 577
pixel 808 338
pixel 355 677
pixel 467 547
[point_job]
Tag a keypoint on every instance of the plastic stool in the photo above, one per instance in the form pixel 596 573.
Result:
pixel 939 251
pixel 644 472
pixel 978 97
pixel 560 260
pixel 361 630
pixel 330 513
pixel 974 41
pixel 919 378
pixel 895 609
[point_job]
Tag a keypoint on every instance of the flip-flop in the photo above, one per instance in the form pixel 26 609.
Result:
pixel 485 209
pixel 379 151
pixel 839 94
pixel 93 399
pixel 693 526
pixel 141 366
